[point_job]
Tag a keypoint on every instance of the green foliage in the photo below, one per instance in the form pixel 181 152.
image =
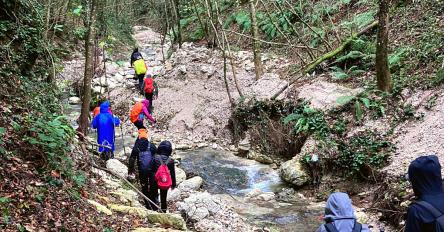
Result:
pixel 359 111
pixel 359 21
pixel 309 121
pixel 363 153
pixel 439 77
pixel 52 134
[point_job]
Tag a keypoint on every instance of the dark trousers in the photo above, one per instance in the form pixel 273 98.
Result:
pixel 139 124
pixel 163 200
pixel 149 96
pixel 140 78
pixel 144 182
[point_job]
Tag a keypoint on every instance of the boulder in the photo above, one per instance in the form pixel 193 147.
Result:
pixel 254 193
pixel 174 195
pixel 244 146
pixel 101 208
pixel 266 197
pixel 99 90
pixel 182 69
pixel 180 175
pixel 117 167
pixel 261 158
pixel 293 172
pixel 323 95
pixel 174 220
pixel 74 100
pixel 191 184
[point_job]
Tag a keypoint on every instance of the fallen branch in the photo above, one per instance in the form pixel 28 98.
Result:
pixel 85 153
pixel 127 182
pixel 339 49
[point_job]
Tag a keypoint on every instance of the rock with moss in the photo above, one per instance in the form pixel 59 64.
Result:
pixel 259 157
pixel 101 208
pixel 293 172
pixel 174 220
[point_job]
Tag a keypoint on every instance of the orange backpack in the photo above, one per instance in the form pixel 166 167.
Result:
pixel 135 111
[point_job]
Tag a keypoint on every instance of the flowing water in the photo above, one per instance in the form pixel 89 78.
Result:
pixel 233 177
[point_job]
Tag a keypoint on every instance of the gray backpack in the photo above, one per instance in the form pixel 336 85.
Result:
pixel 439 217
pixel 331 227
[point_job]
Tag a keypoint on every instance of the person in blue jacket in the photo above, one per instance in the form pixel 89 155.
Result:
pixel 105 122
pixel 424 174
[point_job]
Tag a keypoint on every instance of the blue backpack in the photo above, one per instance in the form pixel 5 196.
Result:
pixel 145 160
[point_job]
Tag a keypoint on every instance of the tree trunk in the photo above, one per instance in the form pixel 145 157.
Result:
pixel 256 46
pixel 89 71
pixel 382 69
pixel 179 30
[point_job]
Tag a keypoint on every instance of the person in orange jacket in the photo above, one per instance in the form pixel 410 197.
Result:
pixel 139 112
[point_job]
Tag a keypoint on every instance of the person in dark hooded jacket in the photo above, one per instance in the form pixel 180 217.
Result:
pixel 105 122
pixel 424 174
pixel 164 153
pixel 340 214
pixel 143 152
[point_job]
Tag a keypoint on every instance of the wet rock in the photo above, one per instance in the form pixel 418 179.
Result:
pixel 261 158
pixel 117 167
pixel 293 172
pixel 180 175
pixel 266 197
pixel 254 193
pixel 323 95
pixel 191 184
pixel 219 216
pixel 101 208
pixel 74 100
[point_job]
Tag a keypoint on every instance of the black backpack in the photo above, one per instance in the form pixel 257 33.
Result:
pixel 439 217
pixel 331 227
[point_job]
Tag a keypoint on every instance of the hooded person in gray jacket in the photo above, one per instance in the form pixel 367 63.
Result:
pixel 340 215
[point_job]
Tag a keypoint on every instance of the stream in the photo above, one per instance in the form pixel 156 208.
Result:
pixel 233 177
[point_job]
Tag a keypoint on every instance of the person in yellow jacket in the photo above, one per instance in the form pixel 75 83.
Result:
pixel 140 68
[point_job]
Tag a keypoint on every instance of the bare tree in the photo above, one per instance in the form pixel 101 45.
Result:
pixel 383 77
pixel 89 66
pixel 256 46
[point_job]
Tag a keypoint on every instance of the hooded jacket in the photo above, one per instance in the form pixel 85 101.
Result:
pixel 163 153
pixel 136 55
pixel 339 209
pixel 140 111
pixel 425 177
pixel 104 122
pixel 141 145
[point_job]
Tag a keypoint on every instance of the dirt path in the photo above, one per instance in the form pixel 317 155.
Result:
pixel 422 137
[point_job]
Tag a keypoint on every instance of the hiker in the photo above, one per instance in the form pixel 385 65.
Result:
pixel 140 68
pixel 150 90
pixel 105 122
pixel 143 151
pixel 165 175
pixel 139 112
pixel 340 216
pixel 96 110
pixel 426 214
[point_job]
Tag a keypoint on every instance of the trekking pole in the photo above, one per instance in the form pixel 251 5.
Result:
pixel 123 141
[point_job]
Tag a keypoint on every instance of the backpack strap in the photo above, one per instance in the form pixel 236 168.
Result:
pixel 357 227
pixel 435 212
pixel 330 227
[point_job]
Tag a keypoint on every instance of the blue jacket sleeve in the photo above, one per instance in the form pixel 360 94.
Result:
pixel 116 121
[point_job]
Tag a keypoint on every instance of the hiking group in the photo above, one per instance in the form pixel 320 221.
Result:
pixel 156 169
pixel 154 164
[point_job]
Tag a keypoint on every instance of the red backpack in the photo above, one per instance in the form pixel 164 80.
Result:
pixel 148 85
pixel 163 177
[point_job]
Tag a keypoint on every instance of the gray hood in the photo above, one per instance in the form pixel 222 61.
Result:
pixel 339 209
